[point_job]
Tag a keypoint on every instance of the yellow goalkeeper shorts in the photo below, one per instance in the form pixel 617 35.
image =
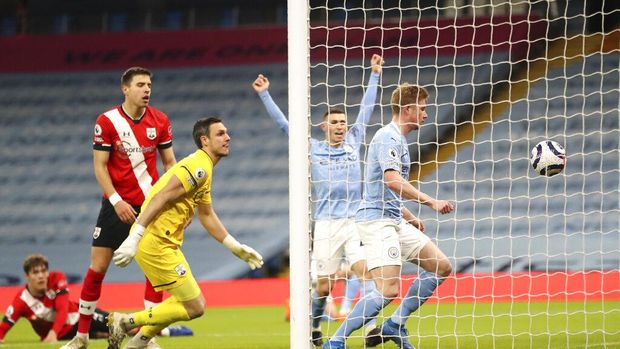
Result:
pixel 165 266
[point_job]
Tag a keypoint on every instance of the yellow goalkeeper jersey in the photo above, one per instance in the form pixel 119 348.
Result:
pixel 195 172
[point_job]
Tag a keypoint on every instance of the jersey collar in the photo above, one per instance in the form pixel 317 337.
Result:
pixel 135 121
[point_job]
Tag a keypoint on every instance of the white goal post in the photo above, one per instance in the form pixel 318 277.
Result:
pixel 536 260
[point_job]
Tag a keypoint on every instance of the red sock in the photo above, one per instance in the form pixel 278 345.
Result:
pixel 151 296
pixel 91 290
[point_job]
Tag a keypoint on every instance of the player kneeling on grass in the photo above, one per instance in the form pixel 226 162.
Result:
pixel 156 237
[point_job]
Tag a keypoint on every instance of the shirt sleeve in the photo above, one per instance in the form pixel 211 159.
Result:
pixel 274 111
pixel 357 132
pixel 165 138
pixel 389 155
pixel 12 314
pixel 102 134
pixel 61 302
pixel 195 176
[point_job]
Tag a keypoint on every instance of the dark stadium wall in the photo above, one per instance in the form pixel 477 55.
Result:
pixel 255 45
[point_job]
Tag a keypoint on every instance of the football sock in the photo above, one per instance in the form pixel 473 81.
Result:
pixel 91 290
pixel 352 286
pixel 167 312
pixel 421 289
pixel 366 289
pixel 150 331
pixel 151 297
pixel 318 307
pixel 367 308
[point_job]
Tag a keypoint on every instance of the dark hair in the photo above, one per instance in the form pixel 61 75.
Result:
pixel 332 111
pixel 406 94
pixel 201 128
pixel 133 71
pixel 33 261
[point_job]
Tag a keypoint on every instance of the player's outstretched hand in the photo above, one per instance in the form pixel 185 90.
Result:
pixel 244 252
pixel 261 83
pixel 443 206
pixel 127 250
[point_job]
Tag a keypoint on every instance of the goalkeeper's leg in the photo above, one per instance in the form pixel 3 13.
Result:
pixel 186 303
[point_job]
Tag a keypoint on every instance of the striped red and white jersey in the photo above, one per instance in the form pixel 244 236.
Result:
pixel 45 312
pixel 133 146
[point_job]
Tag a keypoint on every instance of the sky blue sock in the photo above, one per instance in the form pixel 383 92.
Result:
pixel 422 288
pixel 353 285
pixel 367 308
pixel 367 288
pixel 318 307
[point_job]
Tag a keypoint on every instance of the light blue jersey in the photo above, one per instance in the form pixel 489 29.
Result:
pixel 388 150
pixel 336 171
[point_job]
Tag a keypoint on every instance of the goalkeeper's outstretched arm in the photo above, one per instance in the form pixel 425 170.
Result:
pixel 211 222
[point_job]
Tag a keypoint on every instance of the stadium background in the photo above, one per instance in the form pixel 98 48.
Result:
pixel 59 68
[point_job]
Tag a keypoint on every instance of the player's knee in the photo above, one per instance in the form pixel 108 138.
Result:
pixel 390 290
pixel 444 268
pixel 195 312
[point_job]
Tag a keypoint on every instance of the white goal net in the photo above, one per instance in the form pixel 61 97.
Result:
pixel 536 260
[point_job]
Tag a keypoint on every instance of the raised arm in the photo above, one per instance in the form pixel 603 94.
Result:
pixel 370 96
pixel 261 86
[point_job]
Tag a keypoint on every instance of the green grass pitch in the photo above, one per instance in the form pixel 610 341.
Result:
pixel 469 325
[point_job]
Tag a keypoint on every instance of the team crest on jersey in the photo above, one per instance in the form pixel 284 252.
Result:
pixel 151 133
pixel 97 232
pixel 180 269
pixel 393 252
pixel 98 130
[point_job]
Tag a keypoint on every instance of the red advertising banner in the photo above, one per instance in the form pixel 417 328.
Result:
pixel 102 51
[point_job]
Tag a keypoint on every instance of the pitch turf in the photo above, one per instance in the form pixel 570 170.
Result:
pixel 482 325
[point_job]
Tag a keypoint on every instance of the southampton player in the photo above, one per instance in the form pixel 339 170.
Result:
pixel 126 141
pixel 45 303
pixel 157 235
pixel 389 231
pixel 336 191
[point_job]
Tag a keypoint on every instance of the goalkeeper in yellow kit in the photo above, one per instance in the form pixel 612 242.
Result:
pixel 156 237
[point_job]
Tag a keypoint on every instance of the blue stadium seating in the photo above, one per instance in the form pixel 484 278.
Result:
pixel 50 199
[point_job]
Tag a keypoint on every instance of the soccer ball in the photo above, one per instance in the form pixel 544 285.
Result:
pixel 548 158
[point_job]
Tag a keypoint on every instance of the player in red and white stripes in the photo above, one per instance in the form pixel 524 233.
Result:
pixel 126 141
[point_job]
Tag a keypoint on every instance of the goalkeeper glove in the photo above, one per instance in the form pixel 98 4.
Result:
pixel 245 252
pixel 127 250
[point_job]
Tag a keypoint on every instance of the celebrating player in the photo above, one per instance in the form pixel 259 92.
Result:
pixel 126 140
pixel 390 231
pixel 156 236
pixel 336 191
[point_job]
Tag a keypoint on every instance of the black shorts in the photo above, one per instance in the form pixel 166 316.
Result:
pixel 98 327
pixel 110 230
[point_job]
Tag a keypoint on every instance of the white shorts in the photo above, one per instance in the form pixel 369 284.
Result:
pixel 389 243
pixel 333 240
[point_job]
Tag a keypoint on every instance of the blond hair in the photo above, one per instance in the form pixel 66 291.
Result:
pixel 407 94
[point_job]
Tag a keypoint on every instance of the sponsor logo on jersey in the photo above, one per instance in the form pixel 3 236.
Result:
pixel 320 266
pixel 151 133
pixel 98 130
pixel 97 232
pixel 99 139
pixel 180 269
pixel 125 149
pixel 51 294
